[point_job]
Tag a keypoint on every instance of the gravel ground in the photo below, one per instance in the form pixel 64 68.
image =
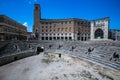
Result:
pixel 44 67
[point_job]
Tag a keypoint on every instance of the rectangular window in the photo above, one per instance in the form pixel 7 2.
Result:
pixel 70 29
pixel 62 38
pixel 46 38
pixel 36 8
pixel 66 22
pixel 66 38
pixel 58 38
pixel 70 38
pixel 58 29
pixel 54 38
pixel 50 38
pixel 69 22
pixel 42 38
pixel 5 29
pixel 62 29
pixel 81 38
pixel 65 29
pixel 50 23
pixel 54 25
pixel 42 23
pixel 81 22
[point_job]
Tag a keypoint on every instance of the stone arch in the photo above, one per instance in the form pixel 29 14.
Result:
pixel 39 49
pixel 36 35
pixel 59 55
pixel 15 58
pixel 99 34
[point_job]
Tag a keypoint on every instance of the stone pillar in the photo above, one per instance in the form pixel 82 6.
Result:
pixel 106 29
pixel 75 36
pixel 92 30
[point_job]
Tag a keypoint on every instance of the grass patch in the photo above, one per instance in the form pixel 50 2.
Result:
pixel 115 74
pixel 47 60
pixel 104 75
pixel 88 75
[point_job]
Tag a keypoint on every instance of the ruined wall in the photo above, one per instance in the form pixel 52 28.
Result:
pixel 10 58
pixel 86 63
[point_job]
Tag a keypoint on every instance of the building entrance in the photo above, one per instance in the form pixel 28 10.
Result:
pixel 99 34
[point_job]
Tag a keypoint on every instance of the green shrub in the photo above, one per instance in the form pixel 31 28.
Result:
pixel 47 60
pixel 104 75
pixel 86 74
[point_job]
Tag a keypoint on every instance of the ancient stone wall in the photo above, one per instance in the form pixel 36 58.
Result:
pixel 84 62
pixel 10 58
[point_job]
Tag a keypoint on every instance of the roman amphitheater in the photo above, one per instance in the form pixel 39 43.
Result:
pixel 60 60
pixel 58 49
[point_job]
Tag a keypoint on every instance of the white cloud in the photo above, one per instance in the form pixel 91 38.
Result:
pixel 25 24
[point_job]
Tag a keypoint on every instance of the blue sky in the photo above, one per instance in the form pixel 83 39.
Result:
pixel 22 10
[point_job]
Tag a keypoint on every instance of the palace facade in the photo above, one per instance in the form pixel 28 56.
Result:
pixel 11 30
pixel 115 34
pixel 69 29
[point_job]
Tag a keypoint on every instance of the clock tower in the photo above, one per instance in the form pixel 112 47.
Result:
pixel 37 17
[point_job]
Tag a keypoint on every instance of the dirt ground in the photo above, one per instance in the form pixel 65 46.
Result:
pixel 45 67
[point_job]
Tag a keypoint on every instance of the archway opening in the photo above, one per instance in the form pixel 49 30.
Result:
pixel 99 34
pixel 36 35
pixel 59 55
pixel 40 49
pixel 15 58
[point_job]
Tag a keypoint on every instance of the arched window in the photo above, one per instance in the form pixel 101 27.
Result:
pixel 36 30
